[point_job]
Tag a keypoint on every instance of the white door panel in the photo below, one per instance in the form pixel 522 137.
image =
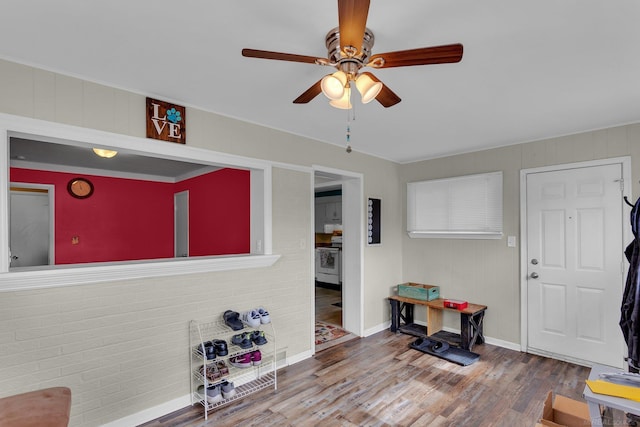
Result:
pixel 29 228
pixel 574 235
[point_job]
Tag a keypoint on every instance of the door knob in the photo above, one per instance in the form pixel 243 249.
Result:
pixel 534 261
pixel 534 275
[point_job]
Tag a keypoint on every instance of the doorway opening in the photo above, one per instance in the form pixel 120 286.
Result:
pixel 31 233
pixel 181 224
pixel 338 208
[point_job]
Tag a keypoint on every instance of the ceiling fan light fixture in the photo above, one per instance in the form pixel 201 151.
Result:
pixel 368 88
pixel 343 103
pixel 333 85
pixel 107 154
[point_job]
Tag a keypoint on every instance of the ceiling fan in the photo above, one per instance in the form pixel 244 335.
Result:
pixel 349 50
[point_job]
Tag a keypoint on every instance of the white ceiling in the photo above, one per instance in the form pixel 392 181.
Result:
pixel 530 70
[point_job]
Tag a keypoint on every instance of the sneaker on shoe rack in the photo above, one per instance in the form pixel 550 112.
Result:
pixel 264 315
pixel 251 318
pixel 242 340
pixel 256 357
pixel 221 348
pixel 242 361
pixel 258 337
pixel 206 349
pixel 228 389
pixel 213 393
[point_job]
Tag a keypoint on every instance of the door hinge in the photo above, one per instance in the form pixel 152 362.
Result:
pixel 621 181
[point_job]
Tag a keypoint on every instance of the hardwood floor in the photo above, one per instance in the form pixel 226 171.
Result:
pixel 380 381
pixel 325 310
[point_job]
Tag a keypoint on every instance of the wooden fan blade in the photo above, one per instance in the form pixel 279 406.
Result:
pixel 386 97
pixel 421 56
pixel 265 54
pixel 309 94
pixel 352 20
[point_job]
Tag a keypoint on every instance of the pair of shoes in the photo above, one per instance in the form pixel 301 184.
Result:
pixel 228 389
pixel 232 320
pixel 213 393
pixel 255 317
pixel 242 340
pixel 258 337
pixel 215 371
pixel 247 359
pixel 213 348
pixel 251 318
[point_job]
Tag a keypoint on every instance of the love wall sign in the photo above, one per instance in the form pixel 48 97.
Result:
pixel 166 121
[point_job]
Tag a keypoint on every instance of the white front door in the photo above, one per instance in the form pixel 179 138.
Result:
pixel 574 263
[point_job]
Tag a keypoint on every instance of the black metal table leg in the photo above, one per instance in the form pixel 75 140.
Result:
pixel 471 330
pixel 395 315
pixel 401 313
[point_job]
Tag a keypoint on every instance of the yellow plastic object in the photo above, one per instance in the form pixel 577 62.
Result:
pixel 617 390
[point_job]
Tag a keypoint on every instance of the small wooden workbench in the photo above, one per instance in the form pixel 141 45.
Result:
pixel 471 318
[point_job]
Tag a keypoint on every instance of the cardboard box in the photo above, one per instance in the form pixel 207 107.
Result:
pixel 564 412
pixel 455 303
pixel 418 291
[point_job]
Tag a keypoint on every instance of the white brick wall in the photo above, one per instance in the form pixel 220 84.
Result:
pixel 123 347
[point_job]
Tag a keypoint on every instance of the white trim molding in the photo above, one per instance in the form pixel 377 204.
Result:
pixel 77 274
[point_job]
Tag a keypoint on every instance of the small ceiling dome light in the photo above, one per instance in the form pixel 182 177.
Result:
pixel 107 154
pixel 368 88
pixel 333 85
pixel 343 103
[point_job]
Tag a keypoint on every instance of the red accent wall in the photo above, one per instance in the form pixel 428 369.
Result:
pixel 219 212
pixel 129 219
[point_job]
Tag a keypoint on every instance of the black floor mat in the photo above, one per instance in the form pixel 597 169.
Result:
pixel 443 350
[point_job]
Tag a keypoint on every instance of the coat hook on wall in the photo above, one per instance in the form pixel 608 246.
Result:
pixel 627 201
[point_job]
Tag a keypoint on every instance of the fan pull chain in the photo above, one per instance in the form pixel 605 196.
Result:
pixel 351 115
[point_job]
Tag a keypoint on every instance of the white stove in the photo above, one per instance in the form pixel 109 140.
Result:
pixel 329 265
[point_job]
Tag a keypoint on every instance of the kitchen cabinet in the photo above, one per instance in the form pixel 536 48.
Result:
pixel 333 213
pixel 328 210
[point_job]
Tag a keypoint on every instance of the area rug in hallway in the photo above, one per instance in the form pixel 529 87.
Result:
pixel 326 332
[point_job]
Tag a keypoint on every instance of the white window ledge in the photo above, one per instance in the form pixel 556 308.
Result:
pixel 81 274
pixel 454 235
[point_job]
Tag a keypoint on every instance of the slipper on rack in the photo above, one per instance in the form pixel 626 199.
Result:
pixel 232 320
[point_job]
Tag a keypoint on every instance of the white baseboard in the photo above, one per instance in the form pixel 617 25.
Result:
pixel 489 340
pixel 151 413
pixel 379 328
pixel 298 358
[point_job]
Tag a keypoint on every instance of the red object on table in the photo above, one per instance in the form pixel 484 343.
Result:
pixel 455 303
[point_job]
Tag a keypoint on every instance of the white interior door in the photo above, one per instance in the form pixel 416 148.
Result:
pixel 574 263
pixel 29 227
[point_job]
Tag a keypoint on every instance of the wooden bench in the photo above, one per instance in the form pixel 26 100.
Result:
pixel 471 319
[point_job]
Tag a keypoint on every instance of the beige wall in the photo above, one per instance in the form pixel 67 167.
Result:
pixel 487 271
pixel 123 346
